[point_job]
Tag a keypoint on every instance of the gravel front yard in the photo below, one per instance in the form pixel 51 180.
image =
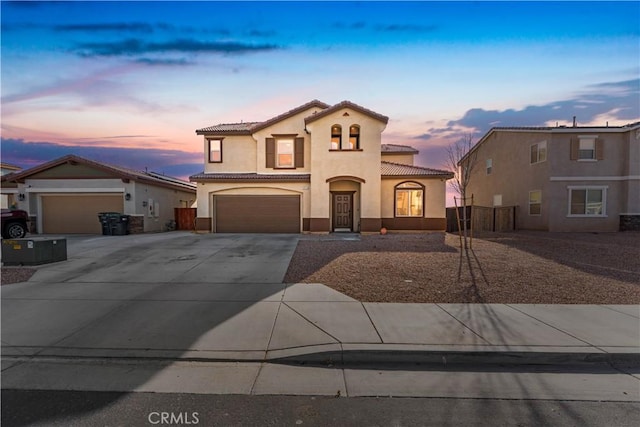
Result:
pixel 521 267
pixel 16 274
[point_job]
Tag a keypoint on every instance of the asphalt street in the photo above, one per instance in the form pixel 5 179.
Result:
pixel 69 409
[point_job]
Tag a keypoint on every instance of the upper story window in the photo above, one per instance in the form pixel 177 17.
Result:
pixel 336 137
pixel 586 148
pixel 215 150
pixel 284 153
pixel 489 166
pixel 538 152
pixel 409 199
pixel 354 137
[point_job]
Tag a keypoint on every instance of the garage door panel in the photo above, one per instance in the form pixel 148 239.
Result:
pixel 77 214
pixel 257 214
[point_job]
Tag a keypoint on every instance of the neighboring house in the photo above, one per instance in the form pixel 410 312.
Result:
pixel 316 168
pixel 561 178
pixel 64 196
pixel 7 198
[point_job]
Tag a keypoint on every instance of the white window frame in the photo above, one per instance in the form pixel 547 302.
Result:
pixel 489 165
pixel 409 189
pixel 541 147
pixel 591 139
pixel 219 150
pixel 539 203
pixel 603 188
pixel 278 152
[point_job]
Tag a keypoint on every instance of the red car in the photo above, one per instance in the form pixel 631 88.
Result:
pixel 14 223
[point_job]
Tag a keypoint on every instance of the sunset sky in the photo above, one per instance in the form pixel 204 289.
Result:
pixel 128 83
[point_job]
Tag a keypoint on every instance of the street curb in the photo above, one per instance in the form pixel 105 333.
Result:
pixel 445 358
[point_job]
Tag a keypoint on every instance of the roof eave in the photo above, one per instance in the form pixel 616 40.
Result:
pixel 427 176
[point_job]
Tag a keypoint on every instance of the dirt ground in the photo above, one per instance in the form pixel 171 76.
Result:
pixel 519 267
pixel 15 275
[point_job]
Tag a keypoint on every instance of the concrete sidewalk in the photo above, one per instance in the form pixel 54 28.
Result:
pixel 302 322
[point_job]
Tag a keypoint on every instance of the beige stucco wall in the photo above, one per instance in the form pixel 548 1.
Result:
pixel 293 125
pixel 164 200
pixel 405 159
pixel 632 170
pixel 512 175
pixel 238 155
pixel 434 197
pixel 364 164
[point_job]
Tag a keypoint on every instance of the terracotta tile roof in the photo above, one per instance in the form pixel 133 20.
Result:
pixel 400 149
pixel 347 104
pixel 250 127
pixel 315 103
pixel 390 169
pixel 230 128
pixel 254 177
pixel 148 177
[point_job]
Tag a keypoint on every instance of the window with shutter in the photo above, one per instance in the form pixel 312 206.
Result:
pixel 270 155
pixel 299 152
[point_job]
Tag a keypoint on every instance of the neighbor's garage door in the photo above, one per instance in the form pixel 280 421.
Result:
pixel 77 214
pixel 257 214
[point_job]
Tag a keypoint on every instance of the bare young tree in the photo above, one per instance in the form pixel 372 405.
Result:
pixel 462 161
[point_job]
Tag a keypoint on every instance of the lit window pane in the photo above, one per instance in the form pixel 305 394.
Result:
pixel 416 203
pixel 285 153
pixel 215 151
pixel 402 203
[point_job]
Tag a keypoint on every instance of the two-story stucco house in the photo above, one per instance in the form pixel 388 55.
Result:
pixel 561 178
pixel 316 168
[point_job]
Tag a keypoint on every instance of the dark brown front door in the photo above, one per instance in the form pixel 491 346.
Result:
pixel 342 212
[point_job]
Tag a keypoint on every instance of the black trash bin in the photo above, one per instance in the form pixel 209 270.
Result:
pixel 114 223
pixel 119 225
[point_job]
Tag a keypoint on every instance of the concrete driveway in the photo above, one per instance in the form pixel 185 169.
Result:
pixel 150 295
pixel 178 257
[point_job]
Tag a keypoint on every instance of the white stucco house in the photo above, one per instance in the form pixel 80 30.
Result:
pixel 315 168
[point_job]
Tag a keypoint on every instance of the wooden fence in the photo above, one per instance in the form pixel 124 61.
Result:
pixel 500 218
pixel 185 218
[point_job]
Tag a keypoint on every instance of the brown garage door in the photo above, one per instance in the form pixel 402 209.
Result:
pixel 257 214
pixel 77 214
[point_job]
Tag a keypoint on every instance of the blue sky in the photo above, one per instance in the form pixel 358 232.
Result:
pixel 129 82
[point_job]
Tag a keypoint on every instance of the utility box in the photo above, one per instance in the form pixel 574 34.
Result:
pixel 34 251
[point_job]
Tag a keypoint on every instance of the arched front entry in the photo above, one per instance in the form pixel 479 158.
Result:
pixel 345 204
